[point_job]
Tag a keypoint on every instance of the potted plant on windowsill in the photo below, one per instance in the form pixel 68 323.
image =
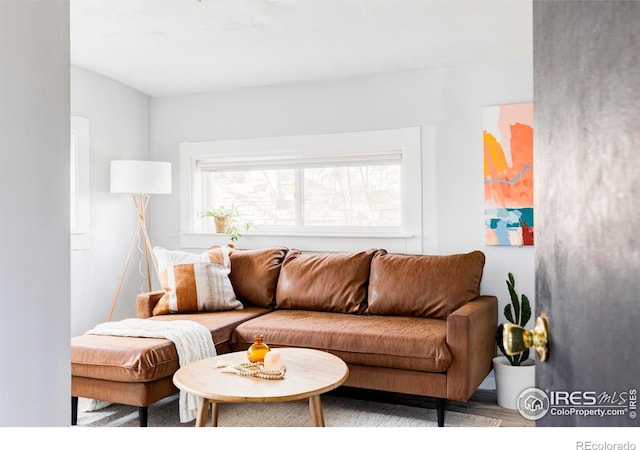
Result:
pixel 227 221
pixel 513 373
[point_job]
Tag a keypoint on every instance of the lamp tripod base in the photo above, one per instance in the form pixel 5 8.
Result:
pixel 140 202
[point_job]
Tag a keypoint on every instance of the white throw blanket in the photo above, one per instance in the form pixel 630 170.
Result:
pixel 193 342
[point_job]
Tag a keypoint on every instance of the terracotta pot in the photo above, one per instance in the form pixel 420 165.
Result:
pixel 221 224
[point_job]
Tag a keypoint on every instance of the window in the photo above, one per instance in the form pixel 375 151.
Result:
pixel 79 183
pixel 361 192
pixel 363 185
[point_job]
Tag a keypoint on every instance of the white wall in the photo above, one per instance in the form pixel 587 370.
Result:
pixel 460 171
pixel 34 229
pixel 119 129
pixel 449 98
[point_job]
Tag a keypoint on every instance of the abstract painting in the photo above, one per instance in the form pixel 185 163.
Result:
pixel 508 174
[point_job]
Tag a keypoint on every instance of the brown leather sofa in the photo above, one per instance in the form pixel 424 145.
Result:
pixel 411 324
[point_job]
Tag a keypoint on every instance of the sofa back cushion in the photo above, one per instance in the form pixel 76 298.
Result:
pixel 333 282
pixel 254 274
pixel 423 285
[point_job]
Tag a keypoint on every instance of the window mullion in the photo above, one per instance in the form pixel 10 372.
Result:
pixel 299 197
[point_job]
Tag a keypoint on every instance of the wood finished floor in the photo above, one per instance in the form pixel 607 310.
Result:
pixel 482 403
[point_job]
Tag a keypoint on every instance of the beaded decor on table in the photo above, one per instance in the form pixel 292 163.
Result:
pixel 256 370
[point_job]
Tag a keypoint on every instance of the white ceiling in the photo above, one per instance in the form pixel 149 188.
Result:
pixel 172 47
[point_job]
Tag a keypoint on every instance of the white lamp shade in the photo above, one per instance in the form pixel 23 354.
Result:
pixel 140 177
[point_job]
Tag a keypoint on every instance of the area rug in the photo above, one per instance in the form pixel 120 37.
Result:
pixel 338 412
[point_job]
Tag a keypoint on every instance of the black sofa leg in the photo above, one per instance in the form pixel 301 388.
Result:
pixel 74 410
pixel 143 414
pixel 440 411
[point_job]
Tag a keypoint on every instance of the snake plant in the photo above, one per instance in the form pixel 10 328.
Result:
pixel 517 312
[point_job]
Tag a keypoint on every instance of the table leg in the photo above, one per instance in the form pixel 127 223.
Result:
pixel 316 411
pixel 214 414
pixel 203 410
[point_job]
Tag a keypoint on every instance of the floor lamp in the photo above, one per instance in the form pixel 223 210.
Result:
pixel 140 179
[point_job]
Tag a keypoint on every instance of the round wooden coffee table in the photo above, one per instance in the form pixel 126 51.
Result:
pixel 309 373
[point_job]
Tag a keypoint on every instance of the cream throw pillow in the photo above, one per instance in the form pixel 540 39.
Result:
pixel 195 282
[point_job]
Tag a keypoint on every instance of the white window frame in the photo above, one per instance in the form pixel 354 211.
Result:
pixel 406 238
pixel 79 171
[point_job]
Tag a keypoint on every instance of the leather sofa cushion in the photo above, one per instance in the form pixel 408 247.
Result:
pixel 138 359
pixel 396 342
pixel 220 323
pixel 423 285
pixel 332 282
pixel 254 275
pixel 119 358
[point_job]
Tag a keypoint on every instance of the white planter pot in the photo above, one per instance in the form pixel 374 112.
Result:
pixel 512 380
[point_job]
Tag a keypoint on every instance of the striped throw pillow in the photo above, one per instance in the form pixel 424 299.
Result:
pixel 195 282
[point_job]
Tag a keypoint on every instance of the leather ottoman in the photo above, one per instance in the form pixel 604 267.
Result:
pixel 127 370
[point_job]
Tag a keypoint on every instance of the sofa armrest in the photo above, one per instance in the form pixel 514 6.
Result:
pixel 471 338
pixel 145 303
